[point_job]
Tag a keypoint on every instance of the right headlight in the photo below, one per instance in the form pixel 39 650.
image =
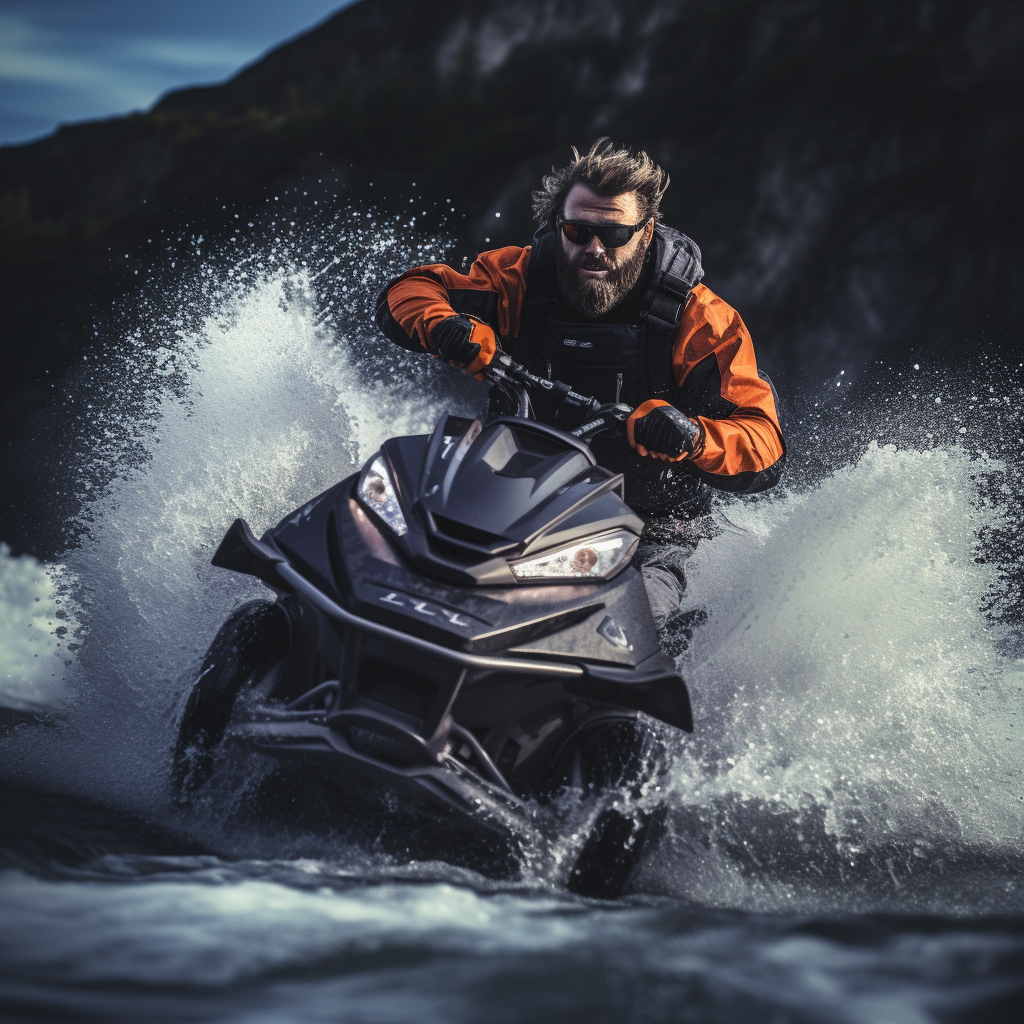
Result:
pixel 377 493
pixel 593 558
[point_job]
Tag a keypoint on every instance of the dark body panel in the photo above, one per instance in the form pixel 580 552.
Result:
pixel 419 662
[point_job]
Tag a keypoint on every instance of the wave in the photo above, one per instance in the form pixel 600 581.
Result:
pixel 856 707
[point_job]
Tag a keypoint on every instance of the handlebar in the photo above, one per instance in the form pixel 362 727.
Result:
pixel 502 369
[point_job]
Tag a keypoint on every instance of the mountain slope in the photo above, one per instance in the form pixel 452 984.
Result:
pixel 851 171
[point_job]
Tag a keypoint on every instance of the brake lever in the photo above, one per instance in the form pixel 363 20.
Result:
pixel 502 367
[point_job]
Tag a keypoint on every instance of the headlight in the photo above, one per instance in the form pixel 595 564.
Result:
pixel 593 558
pixel 378 495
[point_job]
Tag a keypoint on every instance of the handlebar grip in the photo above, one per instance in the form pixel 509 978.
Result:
pixel 616 416
pixel 503 367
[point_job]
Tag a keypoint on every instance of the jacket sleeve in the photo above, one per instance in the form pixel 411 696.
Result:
pixel 741 447
pixel 410 306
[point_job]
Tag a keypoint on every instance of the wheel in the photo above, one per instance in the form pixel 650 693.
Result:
pixel 612 756
pixel 610 853
pixel 251 648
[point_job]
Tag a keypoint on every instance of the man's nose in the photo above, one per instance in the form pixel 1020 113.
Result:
pixel 594 246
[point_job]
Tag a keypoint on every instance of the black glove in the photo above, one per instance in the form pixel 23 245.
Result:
pixel 452 338
pixel 666 431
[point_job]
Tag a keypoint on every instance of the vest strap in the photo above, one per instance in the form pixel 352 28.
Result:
pixel 678 270
pixel 541 283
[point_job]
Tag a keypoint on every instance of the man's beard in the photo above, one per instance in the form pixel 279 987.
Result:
pixel 596 296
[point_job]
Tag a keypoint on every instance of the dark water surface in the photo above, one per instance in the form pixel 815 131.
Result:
pixel 181 939
pixel 843 837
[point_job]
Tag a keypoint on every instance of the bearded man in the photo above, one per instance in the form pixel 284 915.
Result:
pixel 608 300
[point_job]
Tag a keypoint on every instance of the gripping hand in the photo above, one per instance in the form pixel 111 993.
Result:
pixel 465 343
pixel 663 432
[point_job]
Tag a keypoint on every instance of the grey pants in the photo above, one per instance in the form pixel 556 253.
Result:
pixel 662 568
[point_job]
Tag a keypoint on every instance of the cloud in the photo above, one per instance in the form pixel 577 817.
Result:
pixel 71 60
pixel 31 54
pixel 43 70
pixel 219 56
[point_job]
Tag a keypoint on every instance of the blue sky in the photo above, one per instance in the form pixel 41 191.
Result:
pixel 74 60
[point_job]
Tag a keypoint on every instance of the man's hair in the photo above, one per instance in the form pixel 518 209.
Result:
pixel 608 170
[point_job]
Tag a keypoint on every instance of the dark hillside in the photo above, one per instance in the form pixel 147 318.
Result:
pixel 851 170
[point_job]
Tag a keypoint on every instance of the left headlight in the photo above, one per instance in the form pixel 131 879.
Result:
pixel 594 558
pixel 378 495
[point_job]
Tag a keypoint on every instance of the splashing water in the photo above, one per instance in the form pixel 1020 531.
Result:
pixel 34 649
pixel 849 693
pixel 857 743
pixel 246 411
pixel 855 717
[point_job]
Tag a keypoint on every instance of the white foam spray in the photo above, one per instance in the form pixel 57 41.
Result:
pixel 845 679
pixel 37 639
pixel 247 410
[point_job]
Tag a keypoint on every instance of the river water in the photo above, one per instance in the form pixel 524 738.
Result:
pixel 844 832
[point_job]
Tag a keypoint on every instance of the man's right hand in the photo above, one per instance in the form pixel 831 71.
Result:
pixel 465 343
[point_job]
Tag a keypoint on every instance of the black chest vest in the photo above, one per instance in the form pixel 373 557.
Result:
pixel 627 362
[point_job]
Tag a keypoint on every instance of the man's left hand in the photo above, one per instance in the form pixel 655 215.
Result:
pixel 661 431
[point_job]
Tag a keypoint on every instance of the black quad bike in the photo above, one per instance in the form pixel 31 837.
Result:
pixel 458 631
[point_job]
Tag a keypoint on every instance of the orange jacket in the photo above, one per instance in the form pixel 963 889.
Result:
pixel 746 441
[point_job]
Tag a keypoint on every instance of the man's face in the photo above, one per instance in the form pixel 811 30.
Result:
pixel 594 278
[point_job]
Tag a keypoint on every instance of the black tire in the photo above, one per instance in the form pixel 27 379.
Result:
pixel 611 852
pixel 618 757
pixel 252 646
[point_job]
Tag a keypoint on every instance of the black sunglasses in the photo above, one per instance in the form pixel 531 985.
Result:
pixel 612 236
